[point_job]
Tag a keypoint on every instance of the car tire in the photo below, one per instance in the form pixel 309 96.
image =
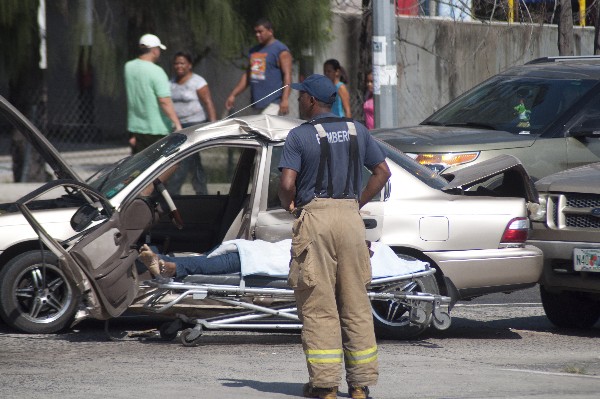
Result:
pixel 570 309
pixel 392 319
pixel 29 305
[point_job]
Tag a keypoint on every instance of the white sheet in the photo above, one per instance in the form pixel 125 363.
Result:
pixel 273 258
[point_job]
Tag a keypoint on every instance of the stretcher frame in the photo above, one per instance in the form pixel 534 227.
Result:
pixel 167 293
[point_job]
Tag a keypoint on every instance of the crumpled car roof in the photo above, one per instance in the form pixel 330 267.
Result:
pixel 271 127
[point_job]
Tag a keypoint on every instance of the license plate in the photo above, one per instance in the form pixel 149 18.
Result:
pixel 586 260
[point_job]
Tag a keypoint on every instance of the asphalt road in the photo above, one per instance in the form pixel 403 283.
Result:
pixel 492 350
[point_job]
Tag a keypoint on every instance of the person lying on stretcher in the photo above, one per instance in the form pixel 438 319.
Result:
pixel 181 266
pixel 262 258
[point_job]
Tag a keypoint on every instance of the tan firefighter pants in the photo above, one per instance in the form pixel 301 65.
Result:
pixel 329 272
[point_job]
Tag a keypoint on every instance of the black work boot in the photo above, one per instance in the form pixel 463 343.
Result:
pixel 357 392
pixel 309 391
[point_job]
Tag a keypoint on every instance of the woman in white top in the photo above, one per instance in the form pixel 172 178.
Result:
pixel 193 105
pixel 190 92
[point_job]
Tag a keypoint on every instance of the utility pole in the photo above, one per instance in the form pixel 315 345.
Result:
pixel 385 70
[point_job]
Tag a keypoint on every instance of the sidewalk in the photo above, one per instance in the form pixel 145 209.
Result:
pixel 85 164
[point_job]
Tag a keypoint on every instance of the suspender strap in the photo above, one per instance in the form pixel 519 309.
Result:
pixel 325 158
pixel 352 159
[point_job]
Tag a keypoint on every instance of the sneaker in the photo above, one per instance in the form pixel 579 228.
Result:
pixel 309 391
pixel 359 392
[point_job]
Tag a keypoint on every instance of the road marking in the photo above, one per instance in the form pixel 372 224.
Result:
pixel 553 373
pixel 529 304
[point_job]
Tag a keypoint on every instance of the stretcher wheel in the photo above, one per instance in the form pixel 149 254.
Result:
pixel 168 331
pixel 441 320
pixel 190 337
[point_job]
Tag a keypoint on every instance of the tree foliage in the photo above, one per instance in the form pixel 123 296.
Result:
pixel 19 42
pixel 225 27
pixel 221 28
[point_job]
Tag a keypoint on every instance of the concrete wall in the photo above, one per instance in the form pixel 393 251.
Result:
pixel 440 59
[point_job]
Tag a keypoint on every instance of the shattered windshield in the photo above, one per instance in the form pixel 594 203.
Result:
pixel 114 179
pixel 520 105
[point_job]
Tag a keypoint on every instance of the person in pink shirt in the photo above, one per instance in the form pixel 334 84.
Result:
pixel 368 106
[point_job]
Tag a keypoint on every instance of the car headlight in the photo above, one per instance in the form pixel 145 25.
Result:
pixel 538 213
pixel 440 162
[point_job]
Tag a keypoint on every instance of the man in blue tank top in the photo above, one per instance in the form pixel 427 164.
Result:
pixel 321 169
pixel 270 69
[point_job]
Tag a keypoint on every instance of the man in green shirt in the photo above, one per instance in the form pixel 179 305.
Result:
pixel 148 93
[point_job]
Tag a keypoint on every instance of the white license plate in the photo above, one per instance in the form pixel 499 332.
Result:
pixel 586 259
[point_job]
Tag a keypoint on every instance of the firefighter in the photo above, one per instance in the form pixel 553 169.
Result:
pixel 330 268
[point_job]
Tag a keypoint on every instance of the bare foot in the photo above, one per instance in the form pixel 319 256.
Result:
pixel 150 260
pixel 167 269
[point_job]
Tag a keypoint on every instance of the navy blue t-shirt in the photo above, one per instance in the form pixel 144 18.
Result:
pixel 302 152
pixel 265 74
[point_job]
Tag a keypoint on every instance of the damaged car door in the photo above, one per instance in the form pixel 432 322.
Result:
pixel 99 261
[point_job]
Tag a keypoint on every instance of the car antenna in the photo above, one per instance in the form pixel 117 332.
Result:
pixel 257 101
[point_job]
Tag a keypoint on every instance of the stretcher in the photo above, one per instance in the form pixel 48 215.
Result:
pixel 400 305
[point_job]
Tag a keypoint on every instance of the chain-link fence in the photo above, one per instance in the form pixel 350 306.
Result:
pixel 71 122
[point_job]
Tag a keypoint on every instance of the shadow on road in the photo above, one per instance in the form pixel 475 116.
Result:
pixel 144 329
pixel 505 329
pixel 285 388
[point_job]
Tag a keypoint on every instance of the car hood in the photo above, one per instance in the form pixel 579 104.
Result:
pixel 425 138
pixel 584 179
pixel 38 141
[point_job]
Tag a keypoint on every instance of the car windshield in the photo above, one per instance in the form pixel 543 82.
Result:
pixel 112 180
pixel 520 105
pixel 423 173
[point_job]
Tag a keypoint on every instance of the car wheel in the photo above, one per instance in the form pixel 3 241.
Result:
pixel 35 296
pixel 570 309
pixel 392 319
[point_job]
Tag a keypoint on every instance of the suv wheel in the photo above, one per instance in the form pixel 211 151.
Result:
pixel 35 296
pixel 570 309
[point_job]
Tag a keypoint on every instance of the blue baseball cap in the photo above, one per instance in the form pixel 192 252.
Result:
pixel 318 86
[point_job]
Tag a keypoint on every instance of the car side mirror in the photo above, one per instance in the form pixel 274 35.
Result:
pixel 589 128
pixel 84 216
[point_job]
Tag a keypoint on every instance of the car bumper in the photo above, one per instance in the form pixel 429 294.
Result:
pixel 478 272
pixel 558 273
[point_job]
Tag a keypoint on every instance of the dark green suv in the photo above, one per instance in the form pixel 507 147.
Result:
pixel 546 113
pixel 567 230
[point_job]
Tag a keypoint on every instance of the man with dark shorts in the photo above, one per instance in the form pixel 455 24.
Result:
pixel 330 269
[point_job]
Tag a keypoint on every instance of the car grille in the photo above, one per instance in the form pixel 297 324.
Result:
pixel 573 211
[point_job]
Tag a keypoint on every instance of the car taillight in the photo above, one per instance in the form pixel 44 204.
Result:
pixel 516 232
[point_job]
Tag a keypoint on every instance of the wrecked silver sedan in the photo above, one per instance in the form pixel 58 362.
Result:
pixel 68 249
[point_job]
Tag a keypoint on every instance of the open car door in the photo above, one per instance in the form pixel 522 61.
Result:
pixel 99 260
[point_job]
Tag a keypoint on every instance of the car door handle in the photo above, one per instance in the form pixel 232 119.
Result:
pixel 118 236
pixel 370 223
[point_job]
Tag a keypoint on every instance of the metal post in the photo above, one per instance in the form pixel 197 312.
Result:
pixel 385 70
pixel 582 9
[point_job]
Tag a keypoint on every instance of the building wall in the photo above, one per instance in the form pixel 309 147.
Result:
pixel 440 59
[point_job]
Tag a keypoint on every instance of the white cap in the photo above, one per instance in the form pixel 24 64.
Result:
pixel 149 40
